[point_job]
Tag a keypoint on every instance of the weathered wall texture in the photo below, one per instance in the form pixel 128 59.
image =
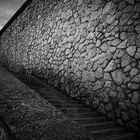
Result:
pixel 89 49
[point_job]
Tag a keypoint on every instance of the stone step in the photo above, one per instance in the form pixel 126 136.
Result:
pixel 90 120
pixel 75 109
pixel 60 100
pixel 81 115
pixel 128 136
pixel 98 126
pixel 65 105
pixel 107 132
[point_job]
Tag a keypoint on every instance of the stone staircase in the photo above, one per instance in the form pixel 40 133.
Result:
pixel 96 124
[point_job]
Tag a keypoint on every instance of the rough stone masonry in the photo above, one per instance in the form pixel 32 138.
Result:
pixel 89 49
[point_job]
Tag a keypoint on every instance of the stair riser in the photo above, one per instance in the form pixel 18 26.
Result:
pixel 65 105
pixel 78 110
pixel 95 120
pixel 81 115
pixel 99 126
pixel 108 133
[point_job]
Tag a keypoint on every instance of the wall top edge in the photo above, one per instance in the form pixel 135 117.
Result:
pixel 19 11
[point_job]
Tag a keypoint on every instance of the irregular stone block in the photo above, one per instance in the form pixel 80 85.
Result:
pixel 137 28
pixel 122 105
pixel 132 114
pixel 117 113
pixel 98 85
pixel 101 109
pixel 133 72
pixel 110 66
pixel 108 84
pixel 99 72
pixel 124 116
pixel 124 18
pixel 131 38
pixel 109 107
pixel 135 97
pixel 117 76
pixel 137 8
pixel 113 94
pixel 110 115
pixel 136 78
pixel 123 36
pixel 131 50
pixel 133 86
pixel 106 100
pixel 122 44
pixel 119 122
pixel 125 60
pixel 138 41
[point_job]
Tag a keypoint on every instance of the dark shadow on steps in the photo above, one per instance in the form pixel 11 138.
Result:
pixel 96 124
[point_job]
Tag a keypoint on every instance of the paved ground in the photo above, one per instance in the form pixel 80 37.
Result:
pixel 29 116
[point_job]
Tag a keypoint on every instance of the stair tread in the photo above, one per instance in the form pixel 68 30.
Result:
pixel 107 130
pixel 120 137
pixel 102 123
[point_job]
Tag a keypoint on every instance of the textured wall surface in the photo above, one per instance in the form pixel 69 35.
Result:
pixel 89 49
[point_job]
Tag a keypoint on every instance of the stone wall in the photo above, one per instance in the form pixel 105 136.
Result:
pixel 89 49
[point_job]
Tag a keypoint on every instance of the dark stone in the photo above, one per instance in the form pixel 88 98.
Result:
pixel 109 107
pixel 117 113
pixel 114 102
pixel 132 114
pixel 119 122
pixel 110 115
pixel 124 116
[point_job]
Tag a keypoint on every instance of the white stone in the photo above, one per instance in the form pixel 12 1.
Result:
pixel 69 45
pixel 133 72
pixel 117 76
pixel 99 72
pixel 90 35
pixel 108 84
pixel 137 55
pixel 137 8
pixel 107 7
pixel 137 28
pixel 98 85
pixel 123 36
pixel 110 66
pixel 115 42
pixel 68 51
pixel 122 45
pixel 104 47
pixel 98 43
pixel 135 97
pixel 70 39
pixel 125 60
pixel 133 86
pixel 107 76
pixel 138 41
pixel 131 50
pixel 136 78
pixel 86 75
pixel 131 38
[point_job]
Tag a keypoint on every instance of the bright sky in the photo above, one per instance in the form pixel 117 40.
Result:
pixel 7 10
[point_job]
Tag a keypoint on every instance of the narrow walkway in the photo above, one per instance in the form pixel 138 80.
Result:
pixel 96 124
